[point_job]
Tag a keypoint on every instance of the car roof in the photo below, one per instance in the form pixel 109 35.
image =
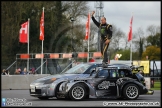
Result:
pixel 115 65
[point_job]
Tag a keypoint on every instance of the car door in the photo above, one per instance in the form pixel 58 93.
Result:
pixel 105 84
pixel 113 75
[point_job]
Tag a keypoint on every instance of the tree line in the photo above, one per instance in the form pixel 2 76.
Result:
pixel 145 46
pixel 57 26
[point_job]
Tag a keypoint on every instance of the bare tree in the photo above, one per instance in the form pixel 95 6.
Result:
pixel 139 41
pixel 79 34
pixel 158 29
pixel 117 38
pixel 62 25
pixel 75 9
pixel 154 35
pixel 125 42
pixel 153 30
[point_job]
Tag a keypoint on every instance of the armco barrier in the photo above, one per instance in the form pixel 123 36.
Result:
pixel 18 81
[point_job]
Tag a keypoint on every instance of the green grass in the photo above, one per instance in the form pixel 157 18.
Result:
pixel 157 85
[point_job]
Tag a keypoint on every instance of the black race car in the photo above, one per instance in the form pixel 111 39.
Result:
pixel 114 81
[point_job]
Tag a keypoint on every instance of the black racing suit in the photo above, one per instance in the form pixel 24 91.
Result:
pixel 106 33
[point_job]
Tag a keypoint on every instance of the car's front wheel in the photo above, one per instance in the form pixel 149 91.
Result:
pixel 131 91
pixel 77 92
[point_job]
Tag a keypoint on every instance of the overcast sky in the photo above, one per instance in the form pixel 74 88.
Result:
pixel 119 13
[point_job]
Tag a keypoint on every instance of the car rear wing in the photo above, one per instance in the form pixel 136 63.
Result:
pixel 136 69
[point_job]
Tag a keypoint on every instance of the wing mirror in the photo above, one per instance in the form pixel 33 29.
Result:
pixel 92 71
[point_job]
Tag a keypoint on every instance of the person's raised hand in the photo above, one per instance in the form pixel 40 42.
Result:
pixel 93 13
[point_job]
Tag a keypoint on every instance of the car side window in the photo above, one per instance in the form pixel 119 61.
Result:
pixel 113 73
pixel 125 73
pixel 93 71
pixel 128 73
pixel 121 73
pixel 104 73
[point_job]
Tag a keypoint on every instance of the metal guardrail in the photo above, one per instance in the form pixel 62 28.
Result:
pixel 40 66
pixel 11 65
pixel 58 55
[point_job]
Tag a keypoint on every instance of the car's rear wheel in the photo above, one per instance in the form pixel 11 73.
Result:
pixel 131 91
pixel 77 92
pixel 43 98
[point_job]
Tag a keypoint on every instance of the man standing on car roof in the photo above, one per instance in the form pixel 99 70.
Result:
pixel 106 34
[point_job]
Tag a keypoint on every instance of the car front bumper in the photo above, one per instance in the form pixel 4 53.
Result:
pixel 40 90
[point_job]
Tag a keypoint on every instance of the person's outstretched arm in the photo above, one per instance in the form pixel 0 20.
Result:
pixel 94 20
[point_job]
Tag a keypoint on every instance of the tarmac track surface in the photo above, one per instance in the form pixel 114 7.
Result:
pixel 19 95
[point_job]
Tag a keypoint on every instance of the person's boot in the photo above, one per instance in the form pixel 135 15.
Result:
pixel 104 64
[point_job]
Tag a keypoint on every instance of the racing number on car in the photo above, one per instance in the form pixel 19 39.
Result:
pixel 105 85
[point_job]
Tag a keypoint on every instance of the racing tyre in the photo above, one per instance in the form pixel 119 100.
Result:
pixel 43 98
pixel 77 92
pixel 131 91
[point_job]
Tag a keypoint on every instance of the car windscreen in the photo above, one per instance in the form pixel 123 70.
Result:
pixel 78 69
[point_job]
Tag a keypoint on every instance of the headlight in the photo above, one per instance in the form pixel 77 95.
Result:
pixel 49 81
